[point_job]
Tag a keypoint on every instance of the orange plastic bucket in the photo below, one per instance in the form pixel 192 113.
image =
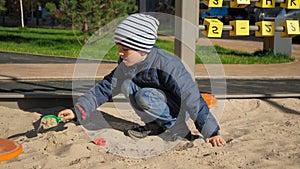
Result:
pixel 9 149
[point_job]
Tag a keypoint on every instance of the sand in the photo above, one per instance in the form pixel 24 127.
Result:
pixel 260 133
pixel 48 123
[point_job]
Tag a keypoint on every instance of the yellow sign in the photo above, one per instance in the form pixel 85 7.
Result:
pixel 290 4
pixel 240 28
pixel 266 28
pixel 291 28
pixel 213 3
pixel 213 27
pixel 265 3
pixel 239 3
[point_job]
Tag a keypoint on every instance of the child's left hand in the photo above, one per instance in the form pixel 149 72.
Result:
pixel 216 141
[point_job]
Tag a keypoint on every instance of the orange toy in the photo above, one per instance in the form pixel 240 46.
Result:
pixel 210 100
pixel 9 149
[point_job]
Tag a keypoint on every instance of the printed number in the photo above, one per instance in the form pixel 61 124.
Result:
pixel 215 30
pixel 216 2
pixel 293 3
pixel 293 27
pixel 269 29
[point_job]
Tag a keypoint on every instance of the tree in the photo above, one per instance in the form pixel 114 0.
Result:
pixel 89 15
pixel 14 9
pixel 2 5
pixel 2 9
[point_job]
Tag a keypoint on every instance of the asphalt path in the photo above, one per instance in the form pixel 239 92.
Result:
pixel 22 58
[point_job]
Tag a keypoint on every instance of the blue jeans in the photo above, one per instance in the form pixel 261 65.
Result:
pixel 149 103
pixel 152 104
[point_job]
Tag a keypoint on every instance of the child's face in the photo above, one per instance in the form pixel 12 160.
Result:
pixel 130 56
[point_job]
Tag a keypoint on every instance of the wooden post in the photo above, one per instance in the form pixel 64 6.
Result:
pixel 279 45
pixel 186 32
pixel 268 43
pixel 142 6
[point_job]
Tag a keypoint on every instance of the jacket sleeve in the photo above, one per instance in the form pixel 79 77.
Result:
pixel 95 97
pixel 181 84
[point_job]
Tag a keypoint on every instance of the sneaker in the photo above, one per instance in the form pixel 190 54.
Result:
pixel 143 131
pixel 191 137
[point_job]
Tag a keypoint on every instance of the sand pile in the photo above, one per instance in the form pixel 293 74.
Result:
pixel 260 134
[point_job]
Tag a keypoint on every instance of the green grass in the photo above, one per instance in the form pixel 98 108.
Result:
pixel 56 42
pixel 40 41
pixel 217 54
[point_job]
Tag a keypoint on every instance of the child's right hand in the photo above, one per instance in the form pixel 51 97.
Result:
pixel 66 115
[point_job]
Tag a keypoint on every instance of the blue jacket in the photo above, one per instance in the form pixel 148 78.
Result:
pixel 159 70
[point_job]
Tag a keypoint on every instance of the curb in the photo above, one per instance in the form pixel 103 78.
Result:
pixel 64 78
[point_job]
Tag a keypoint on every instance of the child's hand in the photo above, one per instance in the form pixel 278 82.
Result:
pixel 66 115
pixel 216 141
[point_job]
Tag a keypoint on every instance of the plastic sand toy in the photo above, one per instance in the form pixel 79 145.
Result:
pixel 50 121
pixel 210 100
pixel 9 149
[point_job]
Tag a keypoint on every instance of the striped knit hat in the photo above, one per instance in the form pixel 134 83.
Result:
pixel 137 32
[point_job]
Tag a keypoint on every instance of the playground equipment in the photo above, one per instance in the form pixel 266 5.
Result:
pixel 288 4
pixel 288 28
pixel 213 28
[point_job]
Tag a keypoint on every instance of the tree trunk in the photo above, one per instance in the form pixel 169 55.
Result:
pixel 22 15
pixel 86 30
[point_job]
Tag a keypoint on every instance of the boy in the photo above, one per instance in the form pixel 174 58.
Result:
pixel 158 86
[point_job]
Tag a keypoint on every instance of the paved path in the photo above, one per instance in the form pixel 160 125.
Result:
pixel 66 71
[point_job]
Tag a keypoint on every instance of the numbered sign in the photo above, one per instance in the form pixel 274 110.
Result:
pixel 239 3
pixel 291 28
pixel 266 28
pixel 213 27
pixel 213 3
pixel 240 28
pixel 265 3
pixel 290 4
